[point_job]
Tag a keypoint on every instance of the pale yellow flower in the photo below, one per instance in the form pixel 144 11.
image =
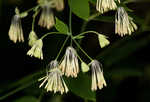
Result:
pixel 32 38
pixel 54 80
pixel 15 32
pixel 70 65
pixel 105 5
pixel 47 18
pixel 59 4
pixel 124 24
pixel 98 80
pixel 36 50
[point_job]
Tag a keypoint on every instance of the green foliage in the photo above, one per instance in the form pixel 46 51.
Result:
pixel 81 86
pixel 26 99
pixel 61 26
pixel 80 8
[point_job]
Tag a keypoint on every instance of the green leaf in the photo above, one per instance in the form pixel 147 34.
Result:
pixel 61 26
pixel 27 99
pixel 103 41
pixel 81 86
pixel 80 8
pixel 84 67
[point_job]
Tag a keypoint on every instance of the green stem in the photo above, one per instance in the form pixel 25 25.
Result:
pixel 70 23
pixel 34 16
pixel 31 9
pixel 80 58
pixel 93 16
pixel 82 49
pixel 81 34
pixel 88 20
pixel 62 47
pixel 50 33
pixel 71 40
pixel 84 26
pixel 70 18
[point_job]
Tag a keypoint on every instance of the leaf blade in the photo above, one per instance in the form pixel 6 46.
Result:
pixel 80 8
pixel 61 26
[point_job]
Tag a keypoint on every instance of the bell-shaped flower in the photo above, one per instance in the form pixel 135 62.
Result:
pixel 32 38
pixel 70 65
pixel 54 80
pixel 105 5
pixel 124 24
pixel 97 76
pixel 15 32
pixel 36 49
pixel 47 18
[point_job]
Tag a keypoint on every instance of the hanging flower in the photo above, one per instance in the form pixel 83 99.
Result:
pixel 47 18
pixel 59 5
pixel 36 49
pixel 69 65
pixel 123 23
pixel 32 38
pixel 54 79
pixel 106 5
pixel 15 32
pixel 97 76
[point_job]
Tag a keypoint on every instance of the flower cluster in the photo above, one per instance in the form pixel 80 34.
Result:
pixel 123 23
pixel 70 68
pixel 69 64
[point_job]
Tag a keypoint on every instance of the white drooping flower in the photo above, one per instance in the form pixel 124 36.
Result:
pixel 124 24
pixel 54 80
pixel 59 4
pixel 32 38
pixel 36 49
pixel 98 80
pixel 105 5
pixel 15 32
pixel 47 17
pixel 70 65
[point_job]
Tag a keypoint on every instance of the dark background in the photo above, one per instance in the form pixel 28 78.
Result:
pixel 126 61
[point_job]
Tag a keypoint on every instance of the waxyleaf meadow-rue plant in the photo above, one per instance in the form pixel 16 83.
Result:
pixel 71 64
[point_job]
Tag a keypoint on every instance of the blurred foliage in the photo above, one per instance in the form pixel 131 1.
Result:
pixel 121 59
pixel 26 99
pixel 80 8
